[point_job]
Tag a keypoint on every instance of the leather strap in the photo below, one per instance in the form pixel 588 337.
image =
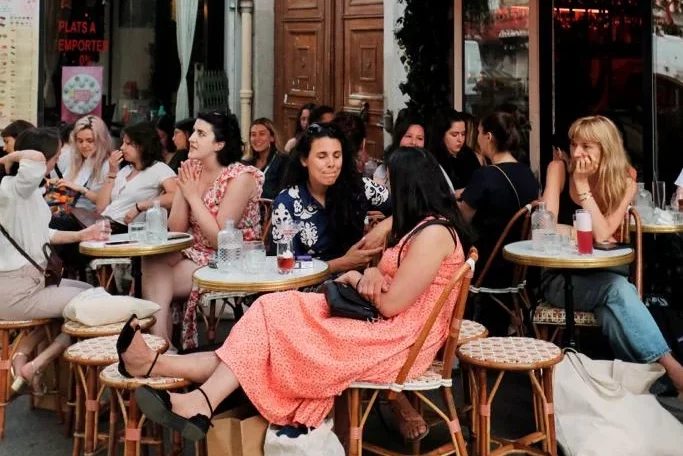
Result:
pixel 23 253
pixel 153 362
pixel 207 400
pixel 519 202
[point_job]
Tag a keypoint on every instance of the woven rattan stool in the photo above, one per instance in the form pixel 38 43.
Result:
pixel 80 332
pixel 6 352
pixel 86 357
pixel 506 354
pixel 122 388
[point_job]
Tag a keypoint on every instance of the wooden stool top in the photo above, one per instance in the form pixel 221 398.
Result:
pixel 22 324
pixel 510 353
pixel 77 329
pixel 470 330
pixel 101 351
pixel 111 377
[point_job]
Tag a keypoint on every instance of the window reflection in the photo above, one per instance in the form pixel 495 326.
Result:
pixel 496 55
pixel 668 67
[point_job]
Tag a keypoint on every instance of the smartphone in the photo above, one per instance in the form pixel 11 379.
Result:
pixel 178 236
pixel 608 246
pixel 120 242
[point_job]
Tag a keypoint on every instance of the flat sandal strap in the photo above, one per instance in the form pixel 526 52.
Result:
pixel 207 400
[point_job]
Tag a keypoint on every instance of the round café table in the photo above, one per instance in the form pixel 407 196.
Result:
pixel 120 246
pixel 239 284
pixel 652 228
pixel 566 261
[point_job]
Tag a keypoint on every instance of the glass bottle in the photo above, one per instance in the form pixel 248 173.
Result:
pixel 230 242
pixel 542 223
pixel 156 223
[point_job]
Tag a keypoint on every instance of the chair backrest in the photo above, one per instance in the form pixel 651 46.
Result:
pixel 266 211
pixel 636 239
pixel 519 272
pixel 462 276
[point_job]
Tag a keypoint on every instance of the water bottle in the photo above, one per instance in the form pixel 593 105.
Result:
pixel 229 253
pixel 542 223
pixel 643 202
pixel 156 223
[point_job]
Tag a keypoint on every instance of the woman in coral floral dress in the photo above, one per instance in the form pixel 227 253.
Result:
pixel 290 357
pixel 202 206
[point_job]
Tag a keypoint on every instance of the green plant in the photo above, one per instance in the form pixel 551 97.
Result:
pixel 425 35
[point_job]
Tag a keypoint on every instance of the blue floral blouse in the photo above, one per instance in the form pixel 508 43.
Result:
pixel 316 238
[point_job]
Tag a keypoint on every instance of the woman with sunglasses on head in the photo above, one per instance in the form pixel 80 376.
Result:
pixel 25 217
pixel 302 121
pixel 329 199
pixel 131 190
pixel 213 187
pixel 263 152
pixel 291 358
pixel 599 179
pixel 87 166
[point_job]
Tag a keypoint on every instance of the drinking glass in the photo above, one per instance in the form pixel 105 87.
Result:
pixel 552 243
pixel 104 230
pixel 254 256
pixel 136 231
pixel 659 194
pixel 584 232
pixel 285 256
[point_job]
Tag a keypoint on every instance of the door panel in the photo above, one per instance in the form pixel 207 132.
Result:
pixel 330 52
pixel 360 84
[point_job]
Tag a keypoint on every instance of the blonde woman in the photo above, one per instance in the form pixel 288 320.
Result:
pixel 599 179
pixel 87 165
pixel 263 152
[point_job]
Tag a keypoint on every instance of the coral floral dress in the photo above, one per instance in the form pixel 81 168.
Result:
pixel 291 358
pixel 201 251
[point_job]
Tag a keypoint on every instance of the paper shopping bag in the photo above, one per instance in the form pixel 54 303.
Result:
pixel 238 432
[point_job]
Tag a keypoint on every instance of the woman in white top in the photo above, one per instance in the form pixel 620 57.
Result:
pixel 133 189
pixel 25 216
pixel 86 170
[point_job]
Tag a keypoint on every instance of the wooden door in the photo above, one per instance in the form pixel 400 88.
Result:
pixel 359 65
pixel 330 52
pixel 303 60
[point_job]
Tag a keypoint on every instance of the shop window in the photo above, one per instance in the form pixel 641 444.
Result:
pixel 496 56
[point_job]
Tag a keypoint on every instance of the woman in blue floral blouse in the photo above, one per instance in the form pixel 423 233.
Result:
pixel 329 199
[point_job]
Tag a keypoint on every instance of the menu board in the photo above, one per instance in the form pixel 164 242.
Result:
pixel 19 60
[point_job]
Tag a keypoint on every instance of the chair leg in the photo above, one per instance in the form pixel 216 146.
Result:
pixel 4 378
pixel 551 437
pixel 355 432
pixel 484 412
pixel 454 425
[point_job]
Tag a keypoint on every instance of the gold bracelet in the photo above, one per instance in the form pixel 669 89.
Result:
pixel 585 198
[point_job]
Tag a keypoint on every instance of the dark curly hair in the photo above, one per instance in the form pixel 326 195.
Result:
pixel 226 129
pixel 345 200
pixel 145 136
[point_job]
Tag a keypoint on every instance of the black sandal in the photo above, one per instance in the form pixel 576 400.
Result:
pixel 124 341
pixel 156 405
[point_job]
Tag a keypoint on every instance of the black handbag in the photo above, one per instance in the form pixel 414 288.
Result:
pixel 345 302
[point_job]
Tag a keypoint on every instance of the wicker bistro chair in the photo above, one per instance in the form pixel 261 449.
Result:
pixel 517 288
pixel 87 358
pixel 7 351
pixel 546 316
pixel 437 377
pixel 510 354
pixel 122 399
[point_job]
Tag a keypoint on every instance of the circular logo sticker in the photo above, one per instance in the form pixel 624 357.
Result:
pixel 81 94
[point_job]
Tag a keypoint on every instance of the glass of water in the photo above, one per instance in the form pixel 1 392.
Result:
pixel 253 256
pixel 136 231
pixel 552 244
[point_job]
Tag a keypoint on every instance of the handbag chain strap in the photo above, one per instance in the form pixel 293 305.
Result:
pixel 22 251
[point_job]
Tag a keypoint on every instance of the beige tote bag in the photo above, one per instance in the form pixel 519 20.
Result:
pixel 604 408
